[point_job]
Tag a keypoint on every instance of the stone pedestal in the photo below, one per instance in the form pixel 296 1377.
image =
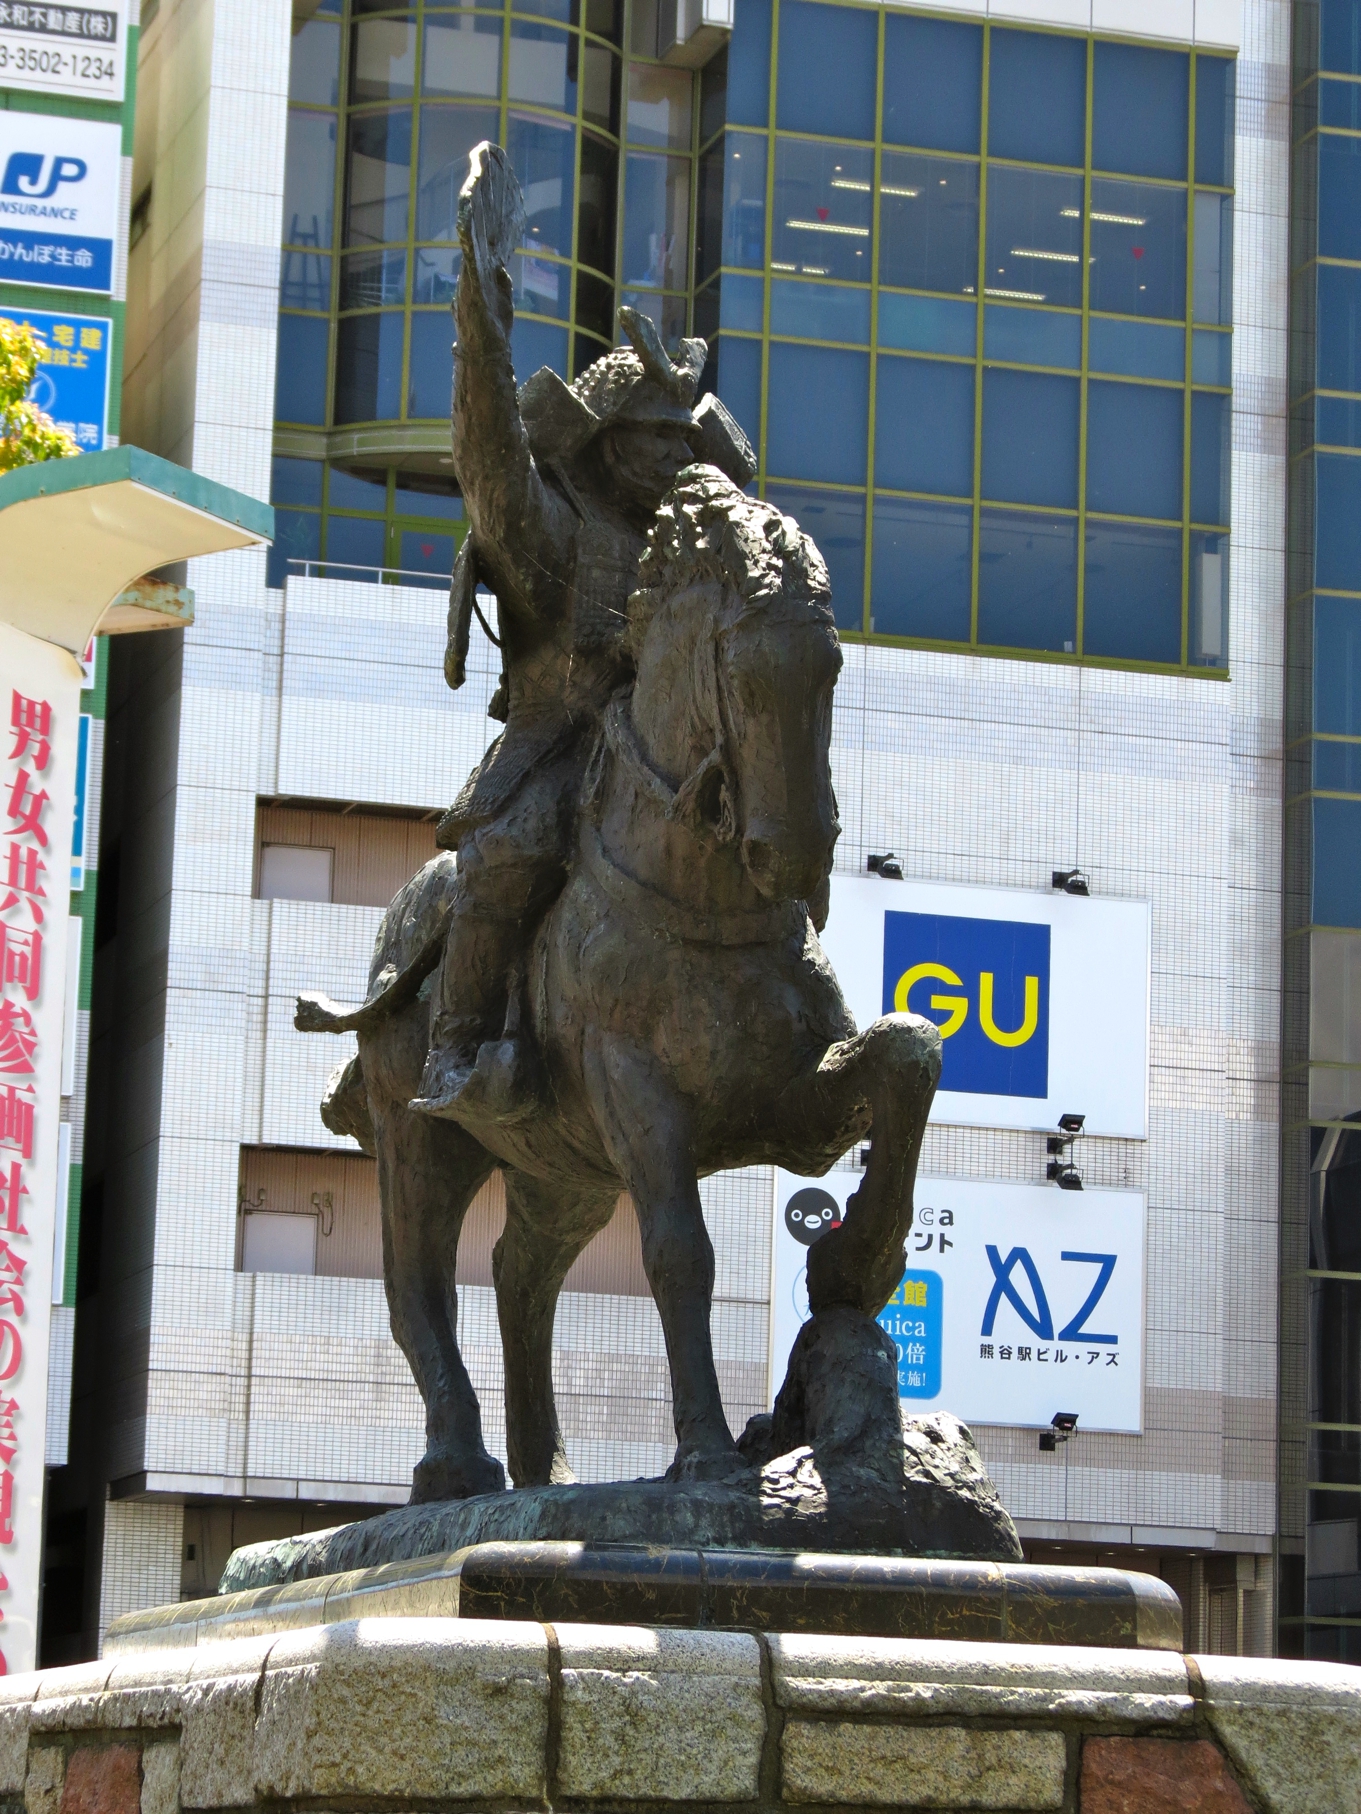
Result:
pixel 399 1714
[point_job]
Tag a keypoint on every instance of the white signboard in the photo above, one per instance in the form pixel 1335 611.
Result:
pixel 1042 998
pixel 1019 1300
pixel 40 707
pixel 58 200
pixel 78 50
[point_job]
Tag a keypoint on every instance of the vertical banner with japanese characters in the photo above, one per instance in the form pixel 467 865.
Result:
pixel 40 708
pixel 1016 1301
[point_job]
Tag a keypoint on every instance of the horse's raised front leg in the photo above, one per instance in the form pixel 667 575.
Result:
pixel 883 1078
pixel 646 1131
pixel 547 1225
pixel 428 1174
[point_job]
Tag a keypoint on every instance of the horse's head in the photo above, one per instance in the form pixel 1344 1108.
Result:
pixel 737 658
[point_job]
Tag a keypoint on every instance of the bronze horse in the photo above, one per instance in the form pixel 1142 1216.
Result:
pixel 682 1014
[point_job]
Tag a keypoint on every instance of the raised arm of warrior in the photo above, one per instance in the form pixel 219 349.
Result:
pixel 522 526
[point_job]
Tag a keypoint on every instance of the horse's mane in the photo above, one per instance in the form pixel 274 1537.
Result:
pixel 707 530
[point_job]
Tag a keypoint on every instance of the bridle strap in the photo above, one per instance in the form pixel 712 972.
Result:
pixel 686 925
pixel 677 804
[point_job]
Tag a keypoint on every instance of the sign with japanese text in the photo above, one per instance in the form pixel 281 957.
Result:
pixel 39 713
pixel 1042 1000
pixel 58 200
pixel 72 381
pixel 79 50
pixel 1017 1300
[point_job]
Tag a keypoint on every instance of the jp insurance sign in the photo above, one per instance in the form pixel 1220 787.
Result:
pixel 79 50
pixel 1018 1300
pixel 1041 999
pixel 58 201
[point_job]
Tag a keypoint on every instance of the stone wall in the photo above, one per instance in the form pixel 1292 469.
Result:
pixel 413 1713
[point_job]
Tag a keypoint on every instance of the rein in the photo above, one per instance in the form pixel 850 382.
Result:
pixel 685 925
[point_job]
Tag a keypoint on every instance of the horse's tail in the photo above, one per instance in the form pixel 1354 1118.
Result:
pixel 410 943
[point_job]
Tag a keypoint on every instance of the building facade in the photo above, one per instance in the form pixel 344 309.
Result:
pixel 1000 293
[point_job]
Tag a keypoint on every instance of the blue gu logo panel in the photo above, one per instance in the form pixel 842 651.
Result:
pixel 985 983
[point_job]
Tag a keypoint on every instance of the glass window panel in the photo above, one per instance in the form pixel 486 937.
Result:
pixel 435 273
pixel 659 106
pixel 1212 299
pixel 1208 644
pixel 1340 42
pixel 1210 459
pixel 1037 97
pixel 1034 250
pixel 1027 580
pixel 1211 357
pixel 1136 349
pixel 928 223
pixel 462 56
pixel 369 368
pixel 815 40
pixel 606 19
pixel 667 313
pixel 1032 336
pixel 595 305
pixel 1139 103
pixel 731 225
pixel 300 378
pixel 749 63
pixel 297 537
pixel 1337 770
pixel 534 344
pixel 1335 1037
pixel 541 73
pixel 543 154
pixel 600 87
pixel 541 285
pixel 713 95
pixel 448 134
pixel 739 382
pixel 295 482
pixel 1339 197
pixel 827 442
pixel 823 209
pixel 379 177
pixel 565 10
pixel 420 497
pixel 430 368
pixel 426 551
pixel 1337 666
pixel 819 311
pixel 743 301
pixel 1138 250
pixel 1339 105
pixel 1337 862
pixel 383 59
pixel 351 541
pixel 1030 439
pixel 1214 120
pixel 656 220
pixel 586 350
pixel 357 490
pixel 922 583
pixel 836 522
pixel 1132 598
pixel 596 204
pixel 933 83
pixel 927 324
pixel 373 280
pixel 314 64
pixel 1337 520
pixel 1339 421
pixel 1338 347
pixel 309 179
pixel 1134 449
pixel 924 419
pixel 304 280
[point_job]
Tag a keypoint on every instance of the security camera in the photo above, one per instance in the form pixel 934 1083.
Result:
pixel 1064 1421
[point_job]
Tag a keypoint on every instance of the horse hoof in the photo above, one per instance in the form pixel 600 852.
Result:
pixel 440 1477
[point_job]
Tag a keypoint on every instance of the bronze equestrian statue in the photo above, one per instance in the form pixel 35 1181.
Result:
pixel 645 1002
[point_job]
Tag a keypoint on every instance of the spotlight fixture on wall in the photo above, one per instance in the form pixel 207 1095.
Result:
pixel 886 866
pixel 1061 1170
pixel 1071 881
pixel 1064 1425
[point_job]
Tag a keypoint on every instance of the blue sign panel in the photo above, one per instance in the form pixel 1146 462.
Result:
pixel 72 382
pixel 985 983
pixel 914 1318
